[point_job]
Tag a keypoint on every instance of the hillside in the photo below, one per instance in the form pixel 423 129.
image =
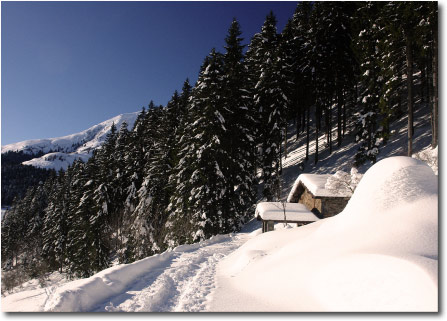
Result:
pixel 343 158
pixel 60 152
pixel 329 265
pixel 191 277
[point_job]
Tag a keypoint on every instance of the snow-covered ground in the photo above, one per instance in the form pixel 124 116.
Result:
pixel 178 280
pixel 342 158
pixel 60 152
pixel 379 254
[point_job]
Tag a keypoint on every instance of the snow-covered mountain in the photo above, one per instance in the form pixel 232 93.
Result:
pixel 60 152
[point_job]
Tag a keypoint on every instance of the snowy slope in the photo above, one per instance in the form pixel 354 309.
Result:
pixel 342 158
pixel 61 152
pixel 178 280
pixel 379 254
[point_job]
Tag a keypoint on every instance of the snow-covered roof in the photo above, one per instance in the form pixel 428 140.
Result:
pixel 294 212
pixel 315 184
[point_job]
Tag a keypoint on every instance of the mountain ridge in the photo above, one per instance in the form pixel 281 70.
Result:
pixel 60 152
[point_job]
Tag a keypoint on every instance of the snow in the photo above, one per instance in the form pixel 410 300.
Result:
pixel 316 184
pixel 275 211
pixel 379 254
pixel 178 280
pixel 430 156
pixel 60 152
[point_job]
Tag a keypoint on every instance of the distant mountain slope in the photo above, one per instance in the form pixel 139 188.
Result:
pixel 60 152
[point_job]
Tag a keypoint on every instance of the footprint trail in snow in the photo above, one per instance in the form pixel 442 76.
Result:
pixel 183 284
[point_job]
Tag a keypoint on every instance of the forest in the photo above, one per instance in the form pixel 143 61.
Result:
pixel 197 166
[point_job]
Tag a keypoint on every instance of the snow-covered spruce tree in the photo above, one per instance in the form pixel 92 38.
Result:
pixel 302 68
pixel 342 60
pixel 239 139
pixel 198 203
pixel 12 238
pixel 426 58
pixel 177 227
pixel 403 20
pixel 82 253
pixel 119 183
pixel 33 249
pixel 270 102
pixel 55 227
pixel 372 81
pixel 332 61
pixel 142 227
pixel 288 60
pixel 21 216
pixel 134 165
pixel 392 65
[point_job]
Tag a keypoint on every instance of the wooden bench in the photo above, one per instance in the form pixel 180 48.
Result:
pixel 276 212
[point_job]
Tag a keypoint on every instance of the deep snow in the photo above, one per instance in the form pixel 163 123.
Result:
pixel 379 254
pixel 178 280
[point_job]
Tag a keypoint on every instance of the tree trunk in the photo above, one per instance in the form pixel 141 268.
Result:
pixel 317 116
pixel 423 82
pixel 285 142
pixel 435 88
pixel 307 131
pixel 327 122
pixel 409 55
pixel 329 111
pixel 279 169
pixel 339 114
pixel 303 121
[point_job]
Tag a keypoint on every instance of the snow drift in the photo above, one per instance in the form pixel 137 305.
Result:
pixel 379 254
pixel 85 294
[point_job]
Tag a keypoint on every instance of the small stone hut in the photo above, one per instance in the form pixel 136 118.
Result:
pixel 309 189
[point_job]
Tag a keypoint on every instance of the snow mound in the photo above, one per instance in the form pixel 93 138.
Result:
pixel 391 183
pixel 60 152
pixel 379 254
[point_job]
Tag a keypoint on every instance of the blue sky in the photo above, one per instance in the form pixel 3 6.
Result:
pixel 69 65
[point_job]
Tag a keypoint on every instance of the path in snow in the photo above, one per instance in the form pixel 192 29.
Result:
pixel 183 284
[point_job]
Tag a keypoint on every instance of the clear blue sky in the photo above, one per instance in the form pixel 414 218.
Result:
pixel 69 65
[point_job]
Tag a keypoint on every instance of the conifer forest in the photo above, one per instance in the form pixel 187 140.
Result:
pixel 197 166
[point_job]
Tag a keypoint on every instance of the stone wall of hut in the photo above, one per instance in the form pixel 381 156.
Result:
pixel 333 205
pixel 310 202
pixel 324 206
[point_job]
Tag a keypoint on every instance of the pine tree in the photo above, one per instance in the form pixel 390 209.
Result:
pixel 197 205
pixel 239 123
pixel 270 102
pixel 302 67
pixel 372 82
pixel 55 228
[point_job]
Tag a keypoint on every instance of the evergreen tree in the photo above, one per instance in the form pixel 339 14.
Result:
pixel 197 205
pixel 271 103
pixel 372 82
pixel 239 123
